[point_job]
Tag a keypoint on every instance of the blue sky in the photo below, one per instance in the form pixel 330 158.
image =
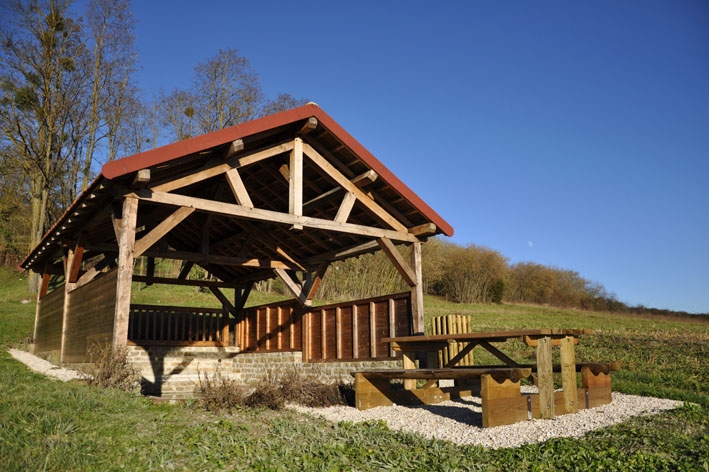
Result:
pixel 571 134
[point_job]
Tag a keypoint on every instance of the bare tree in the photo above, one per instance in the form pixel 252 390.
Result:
pixel 282 102
pixel 38 68
pixel 226 91
pixel 61 95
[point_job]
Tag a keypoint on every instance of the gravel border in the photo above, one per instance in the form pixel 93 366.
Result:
pixel 45 367
pixel 460 421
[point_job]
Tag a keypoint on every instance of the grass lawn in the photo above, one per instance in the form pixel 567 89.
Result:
pixel 50 425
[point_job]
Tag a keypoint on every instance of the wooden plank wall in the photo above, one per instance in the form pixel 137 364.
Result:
pixel 353 330
pixel 343 331
pixel 90 317
pixel 275 327
pixel 49 322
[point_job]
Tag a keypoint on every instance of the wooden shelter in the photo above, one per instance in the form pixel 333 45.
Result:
pixel 281 196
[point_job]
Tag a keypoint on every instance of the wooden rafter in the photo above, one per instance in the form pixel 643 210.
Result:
pixel 382 214
pixel 398 260
pixel 161 229
pixel 238 188
pixel 238 211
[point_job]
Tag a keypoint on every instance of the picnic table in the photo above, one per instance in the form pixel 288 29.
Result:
pixel 499 384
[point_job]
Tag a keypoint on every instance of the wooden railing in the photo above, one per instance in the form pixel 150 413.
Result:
pixel 178 326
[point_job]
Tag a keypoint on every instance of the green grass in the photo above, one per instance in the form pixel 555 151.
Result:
pixel 49 425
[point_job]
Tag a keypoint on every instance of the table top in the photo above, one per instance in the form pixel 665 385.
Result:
pixel 490 336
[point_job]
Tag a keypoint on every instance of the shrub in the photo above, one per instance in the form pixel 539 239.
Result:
pixel 219 392
pixel 111 369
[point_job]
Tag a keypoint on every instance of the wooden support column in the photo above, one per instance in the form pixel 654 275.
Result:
pixel 126 256
pixel 417 290
pixel 43 289
pixel 69 265
pixel 295 200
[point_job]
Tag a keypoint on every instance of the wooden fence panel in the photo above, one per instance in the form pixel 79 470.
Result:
pixel 49 322
pixel 90 314
pixel 452 324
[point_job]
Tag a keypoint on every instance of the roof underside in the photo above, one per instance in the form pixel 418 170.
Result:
pixel 219 234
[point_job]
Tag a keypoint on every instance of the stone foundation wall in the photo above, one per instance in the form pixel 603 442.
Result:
pixel 174 372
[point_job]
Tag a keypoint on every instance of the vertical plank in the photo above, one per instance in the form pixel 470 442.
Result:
pixel 372 330
pixel 338 331
pixel 126 256
pixel 355 332
pixel 568 374
pixel 323 334
pixel 392 324
pixel 545 378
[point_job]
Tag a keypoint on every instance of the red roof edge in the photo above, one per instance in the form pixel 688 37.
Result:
pixel 166 153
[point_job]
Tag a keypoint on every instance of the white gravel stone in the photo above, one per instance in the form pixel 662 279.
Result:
pixel 460 421
pixel 45 367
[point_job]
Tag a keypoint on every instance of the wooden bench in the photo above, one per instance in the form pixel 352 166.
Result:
pixel 498 387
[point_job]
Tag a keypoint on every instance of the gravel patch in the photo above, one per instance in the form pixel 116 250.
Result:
pixel 45 367
pixel 460 421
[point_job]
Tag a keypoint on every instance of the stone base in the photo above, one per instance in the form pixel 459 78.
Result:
pixel 173 372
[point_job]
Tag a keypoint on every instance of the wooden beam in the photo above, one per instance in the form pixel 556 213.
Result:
pixel 295 182
pixel 234 147
pixel 73 272
pixel 223 299
pixel 215 167
pixel 185 270
pixel 426 229
pixel 360 181
pixel 141 179
pixel 345 207
pixel 93 272
pixel 238 188
pixel 417 324
pixel 126 256
pixel 204 259
pixel 329 169
pixel 294 287
pixel 398 260
pixel 258 214
pixel 340 254
pixel 309 125
pixel 188 283
pixel 289 258
pixel 161 230
pixel 313 281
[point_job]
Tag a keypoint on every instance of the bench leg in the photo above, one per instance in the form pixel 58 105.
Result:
pixel 598 387
pixel 502 403
pixel 371 393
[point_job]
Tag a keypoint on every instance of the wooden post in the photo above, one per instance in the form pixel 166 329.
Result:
pixel 126 255
pixel 417 290
pixel 568 375
pixel 68 287
pixel 545 377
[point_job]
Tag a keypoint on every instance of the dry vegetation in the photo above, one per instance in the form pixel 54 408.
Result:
pixel 219 392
